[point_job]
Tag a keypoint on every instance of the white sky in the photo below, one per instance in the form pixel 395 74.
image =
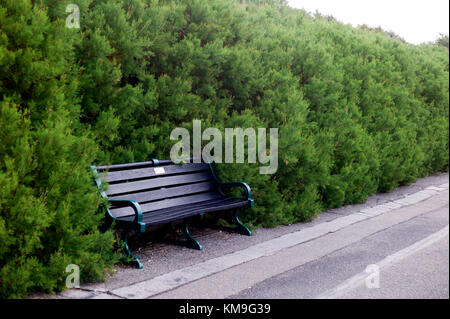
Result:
pixel 416 21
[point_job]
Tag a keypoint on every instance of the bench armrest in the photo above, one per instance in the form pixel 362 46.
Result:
pixel 133 204
pixel 242 185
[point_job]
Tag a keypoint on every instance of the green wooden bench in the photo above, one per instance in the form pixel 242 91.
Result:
pixel 147 194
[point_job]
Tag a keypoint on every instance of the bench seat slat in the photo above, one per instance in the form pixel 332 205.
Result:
pixel 163 216
pixel 148 184
pixel 185 211
pixel 148 172
pixel 168 203
pixel 124 166
pixel 162 193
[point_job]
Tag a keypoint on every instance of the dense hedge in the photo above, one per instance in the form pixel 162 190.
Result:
pixel 358 111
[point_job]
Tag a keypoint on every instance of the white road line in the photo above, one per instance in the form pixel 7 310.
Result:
pixel 359 279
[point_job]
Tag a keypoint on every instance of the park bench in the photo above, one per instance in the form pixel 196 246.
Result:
pixel 147 194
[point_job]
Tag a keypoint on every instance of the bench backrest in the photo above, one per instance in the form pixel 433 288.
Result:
pixel 159 184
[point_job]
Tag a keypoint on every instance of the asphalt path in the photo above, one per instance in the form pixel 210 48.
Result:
pixel 411 260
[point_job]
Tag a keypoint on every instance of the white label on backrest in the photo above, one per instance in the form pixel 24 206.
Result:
pixel 159 170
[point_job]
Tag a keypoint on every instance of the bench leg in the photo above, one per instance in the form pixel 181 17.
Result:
pixel 127 252
pixel 240 228
pixel 190 242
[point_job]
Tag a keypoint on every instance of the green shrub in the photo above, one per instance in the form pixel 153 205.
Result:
pixel 358 111
pixel 48 206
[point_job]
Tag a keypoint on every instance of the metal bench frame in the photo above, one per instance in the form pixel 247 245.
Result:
pixel 137 224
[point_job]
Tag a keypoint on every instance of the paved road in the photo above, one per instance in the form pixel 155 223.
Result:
pixel 325 260
pixel 411 259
